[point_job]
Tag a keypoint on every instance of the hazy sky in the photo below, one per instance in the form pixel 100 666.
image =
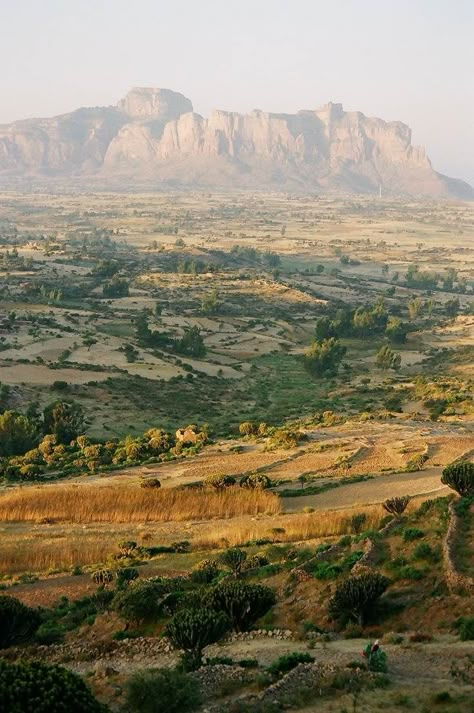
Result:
pixel 410 60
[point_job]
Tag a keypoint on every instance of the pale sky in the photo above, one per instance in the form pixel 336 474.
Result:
pixel 407 60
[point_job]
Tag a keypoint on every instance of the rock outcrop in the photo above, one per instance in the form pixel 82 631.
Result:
pixel 153 136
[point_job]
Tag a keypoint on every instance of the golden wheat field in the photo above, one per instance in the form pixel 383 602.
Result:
pixel 83 504
pixel 28 547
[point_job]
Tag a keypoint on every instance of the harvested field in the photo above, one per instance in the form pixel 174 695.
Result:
pixel 376 458
pixel 38 374
pixel 231 463
pixel 444 452
pixel 313 462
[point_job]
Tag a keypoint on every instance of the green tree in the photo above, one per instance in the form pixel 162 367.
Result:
pixel 324 357
pixel 355 597
pixel 164 690
pixel 18 622
pixel 243 603
pixel 387 359
pixel 18 434
pixel 460 477
pixel 233 559
pixel 324 329
pixel 397 505
pixel 116 287
pixel 42 688
pixel 452 307
pixel 191 343
pixel 210 303
pixel 63 419
pixel 194 629
pixel 396 330
pixel 415 307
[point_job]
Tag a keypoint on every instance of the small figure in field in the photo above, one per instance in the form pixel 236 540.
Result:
pixel 376 658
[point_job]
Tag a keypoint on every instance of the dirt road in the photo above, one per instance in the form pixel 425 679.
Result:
pixel 370 492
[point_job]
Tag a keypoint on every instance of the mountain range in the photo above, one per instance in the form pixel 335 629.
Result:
pixel 152 137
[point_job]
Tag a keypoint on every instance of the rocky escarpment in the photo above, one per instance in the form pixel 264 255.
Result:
pixel 153 136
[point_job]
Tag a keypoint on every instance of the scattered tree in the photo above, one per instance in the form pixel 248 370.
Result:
pixel 460 477
pixel 63 419
pixel 396 506
pixel 233 559
pixel 355 597
pixel 18 434
pixel 243 603
pixel 194 629
pixel 324 357
pixel 387 359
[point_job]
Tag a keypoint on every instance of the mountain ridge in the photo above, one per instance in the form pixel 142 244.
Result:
pixel 153 136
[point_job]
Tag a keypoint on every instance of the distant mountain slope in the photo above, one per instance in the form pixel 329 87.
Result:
pixel 153 136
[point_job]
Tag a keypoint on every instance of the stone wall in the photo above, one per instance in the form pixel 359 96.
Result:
pixel 457 581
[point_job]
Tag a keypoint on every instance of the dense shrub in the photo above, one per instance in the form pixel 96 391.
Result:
pixel 424 551
pixel 194 629
pixel 248 428
pixel 357 522
pixel 205 572
pixel 325 570
pixel 287 662
pixel 140 602
pixel 164 689
pixel 102 577
pixel 38 687
pixel 256 561
pixel 466 629
pixel 18 622
pixel 233 559
pixel 49 632
pixel 127 548
pixel 412 533
pixel 218 481
pixel 150 483
pixel 243 603
pixel 125 575
pixel 459 477
pixel 255 481
pixel 102 600
pixel 355 598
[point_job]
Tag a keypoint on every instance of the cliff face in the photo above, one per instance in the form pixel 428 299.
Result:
pixel 154 136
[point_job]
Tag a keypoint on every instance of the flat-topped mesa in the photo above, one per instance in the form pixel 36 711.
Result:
pixel 154 103
pixel 153 137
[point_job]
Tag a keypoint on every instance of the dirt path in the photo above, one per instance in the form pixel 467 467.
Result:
pixel 372 492
pixel 411 662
